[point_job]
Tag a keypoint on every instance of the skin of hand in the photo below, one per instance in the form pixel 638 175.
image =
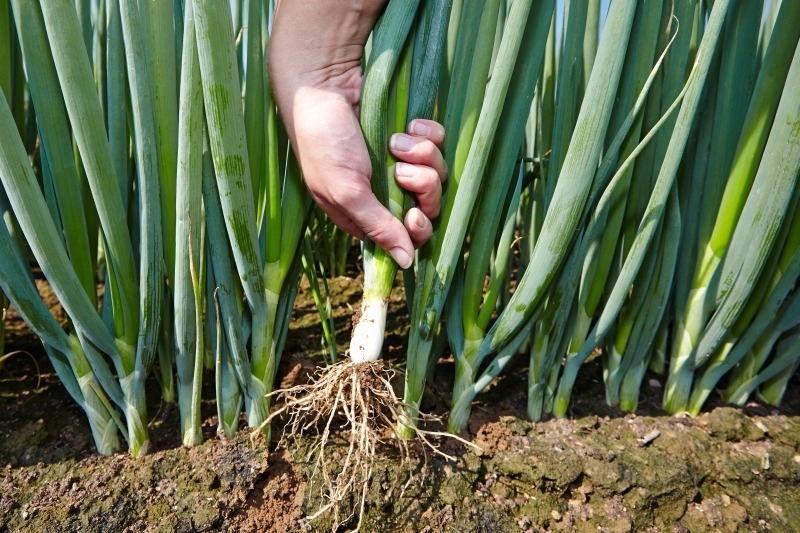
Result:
pixel 315 70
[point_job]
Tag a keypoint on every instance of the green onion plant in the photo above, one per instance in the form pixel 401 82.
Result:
pixel 625 189
pixel 136 139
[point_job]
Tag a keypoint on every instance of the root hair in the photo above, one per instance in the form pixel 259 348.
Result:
pixel 359 399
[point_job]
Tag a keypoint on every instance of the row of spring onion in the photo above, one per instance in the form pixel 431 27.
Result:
pixel 641 198
pixel 145 113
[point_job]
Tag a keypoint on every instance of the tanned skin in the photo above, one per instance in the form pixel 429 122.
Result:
pixel 315 70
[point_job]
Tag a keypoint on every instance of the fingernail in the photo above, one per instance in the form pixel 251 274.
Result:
pixel 401 257
pixel 418 128
pixel 401 143
pixel 418 219
pixel 405 170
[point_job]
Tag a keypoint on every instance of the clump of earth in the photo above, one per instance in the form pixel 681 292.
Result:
pixel 728 470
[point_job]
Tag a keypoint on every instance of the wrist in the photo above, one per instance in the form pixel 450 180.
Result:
pixel 313 42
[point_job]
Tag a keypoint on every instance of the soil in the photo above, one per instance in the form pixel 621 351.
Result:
pixel 728 470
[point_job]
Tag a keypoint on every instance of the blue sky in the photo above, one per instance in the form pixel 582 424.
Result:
pixel 560 13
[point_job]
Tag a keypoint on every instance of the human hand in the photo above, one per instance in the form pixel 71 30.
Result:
pixel 317 86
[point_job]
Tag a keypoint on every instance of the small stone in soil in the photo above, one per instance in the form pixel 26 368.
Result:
pixel 650 437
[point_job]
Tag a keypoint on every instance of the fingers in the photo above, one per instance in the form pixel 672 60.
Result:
pixel 419 227
pixel 337 169
pixel 343 222
pixel 424 182
pixel 431 130
pixel 418 151
pixel 377 223
pixel 421 169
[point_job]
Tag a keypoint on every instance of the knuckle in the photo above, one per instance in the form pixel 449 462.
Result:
pixel 379 233
pixel 419 236
pixel 432 208
pixel 427 150
pixel 432 182
pixel 320 199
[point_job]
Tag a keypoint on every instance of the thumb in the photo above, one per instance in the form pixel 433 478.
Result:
pixel 382 228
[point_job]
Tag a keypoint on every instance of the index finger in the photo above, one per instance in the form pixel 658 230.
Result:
pixel 430 129
pixel 376 222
